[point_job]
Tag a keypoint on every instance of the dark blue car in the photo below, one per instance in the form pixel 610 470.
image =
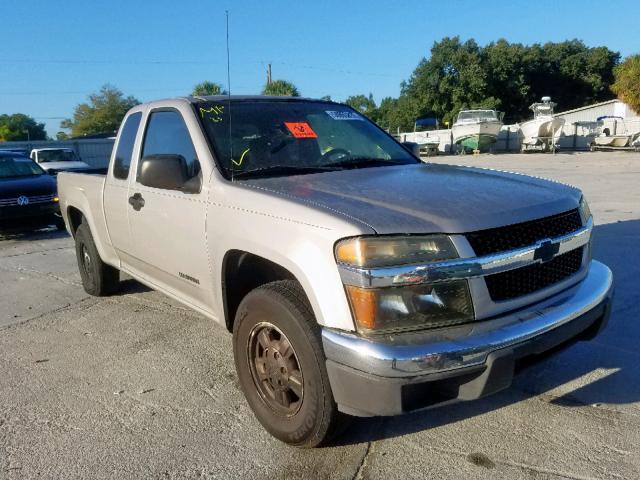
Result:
pixel 28 195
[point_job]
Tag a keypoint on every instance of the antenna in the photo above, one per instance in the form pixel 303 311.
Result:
pixel 226 12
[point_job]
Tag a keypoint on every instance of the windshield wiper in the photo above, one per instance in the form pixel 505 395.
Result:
pixel 355 162
pixel 281 170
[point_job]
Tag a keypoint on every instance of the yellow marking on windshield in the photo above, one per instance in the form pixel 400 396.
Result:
pixel 327 150
pixel 215 113
pixel 239 162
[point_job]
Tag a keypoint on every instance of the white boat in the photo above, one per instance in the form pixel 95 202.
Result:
pixel 606 139
pixel 427 141
pixel 476 129
pixel 543 129
pixel 421 138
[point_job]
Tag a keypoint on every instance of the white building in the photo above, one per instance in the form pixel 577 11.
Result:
pixel 582 124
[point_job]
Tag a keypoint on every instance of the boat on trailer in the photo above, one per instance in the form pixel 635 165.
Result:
pixel 543 130
pixel 476 130
pixel 607 139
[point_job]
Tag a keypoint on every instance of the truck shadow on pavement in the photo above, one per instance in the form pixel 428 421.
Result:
pixel 602 373
pixel 129 286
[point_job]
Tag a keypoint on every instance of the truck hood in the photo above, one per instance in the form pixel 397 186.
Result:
pixel 63 166
pixel 426 198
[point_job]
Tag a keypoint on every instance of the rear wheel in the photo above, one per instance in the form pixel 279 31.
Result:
pixel 98 278
pixel 281 365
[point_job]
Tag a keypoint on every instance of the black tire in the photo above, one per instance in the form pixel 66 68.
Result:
pixel 98 278
pixel 59 222
pixel 312 418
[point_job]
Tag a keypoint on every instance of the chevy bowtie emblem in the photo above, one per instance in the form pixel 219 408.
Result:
pixel 22 200
pixel 546 251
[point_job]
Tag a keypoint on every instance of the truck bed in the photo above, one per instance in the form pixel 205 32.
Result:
pixel 84 192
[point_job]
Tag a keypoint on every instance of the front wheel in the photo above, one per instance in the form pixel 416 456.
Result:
pixel 281 365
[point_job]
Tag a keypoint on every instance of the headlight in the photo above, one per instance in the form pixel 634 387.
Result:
pixel 410 307
pixel 585 212
pixel 399 309
pixel 374 252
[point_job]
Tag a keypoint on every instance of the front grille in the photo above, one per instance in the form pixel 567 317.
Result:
pixel 34 199
pixel 526 280
pixel 501 239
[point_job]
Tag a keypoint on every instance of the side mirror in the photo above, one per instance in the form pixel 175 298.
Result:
pixel 413 147
pixel 168 172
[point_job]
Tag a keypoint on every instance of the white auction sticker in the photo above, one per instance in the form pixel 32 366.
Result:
pixel 343 115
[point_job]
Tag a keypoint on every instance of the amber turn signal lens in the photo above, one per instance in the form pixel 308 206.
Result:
pixel 410 307
pixel 56 199
pixel 363 304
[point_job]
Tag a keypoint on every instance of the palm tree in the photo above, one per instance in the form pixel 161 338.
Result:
pixel 208 88
pixel 281 88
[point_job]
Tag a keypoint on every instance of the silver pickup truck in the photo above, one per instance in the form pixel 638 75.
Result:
pixel 356 279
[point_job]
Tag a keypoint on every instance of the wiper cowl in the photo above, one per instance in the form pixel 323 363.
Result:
pixel 282 170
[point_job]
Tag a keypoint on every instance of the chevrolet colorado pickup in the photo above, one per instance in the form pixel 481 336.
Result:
pixel 356 279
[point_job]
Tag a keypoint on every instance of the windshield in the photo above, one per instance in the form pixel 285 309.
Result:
pixel 477 115
pixel 56 156
pixel 18 167
pixel 295 137
pixel 542 109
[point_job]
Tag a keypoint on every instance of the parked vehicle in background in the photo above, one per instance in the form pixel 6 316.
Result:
pixel 20 151
pixel 541 132
pixel 356 279
pixel 476 129
pixel 55 160
pixel 28 195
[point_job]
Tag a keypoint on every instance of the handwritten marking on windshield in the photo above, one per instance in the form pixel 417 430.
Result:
pixel 214 113
pixel 239 162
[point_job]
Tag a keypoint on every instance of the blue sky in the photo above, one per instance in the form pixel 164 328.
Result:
pixel 54 54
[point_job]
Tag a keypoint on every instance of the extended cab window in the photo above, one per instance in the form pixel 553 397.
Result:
pixel 122 161
pixel 167 134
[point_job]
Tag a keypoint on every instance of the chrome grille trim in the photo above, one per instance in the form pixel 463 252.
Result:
pixel 462 268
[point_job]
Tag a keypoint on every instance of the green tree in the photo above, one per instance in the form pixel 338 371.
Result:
pixel 19 126
pixel 452 79
pixel 103 113
pixel 62 136
pixel 363 104
pixel 627 82
pixel 459 75
pixel 395 114
pixel 208 88
pixel 281 88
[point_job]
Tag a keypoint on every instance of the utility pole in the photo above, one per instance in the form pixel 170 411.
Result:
pixel 268 74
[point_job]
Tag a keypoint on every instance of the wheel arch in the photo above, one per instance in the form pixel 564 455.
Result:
pixel 75 218
pixel 243 271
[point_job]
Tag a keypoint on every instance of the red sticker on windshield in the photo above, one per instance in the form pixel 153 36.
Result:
pixel 301 129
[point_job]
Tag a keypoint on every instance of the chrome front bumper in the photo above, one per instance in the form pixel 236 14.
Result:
pixel 455 351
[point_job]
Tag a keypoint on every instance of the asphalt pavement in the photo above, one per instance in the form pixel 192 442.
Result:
pixel 138 386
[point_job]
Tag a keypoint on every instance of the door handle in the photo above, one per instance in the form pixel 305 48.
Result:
pixel 136 201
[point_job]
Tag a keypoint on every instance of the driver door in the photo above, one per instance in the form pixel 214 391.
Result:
pixel 167 226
